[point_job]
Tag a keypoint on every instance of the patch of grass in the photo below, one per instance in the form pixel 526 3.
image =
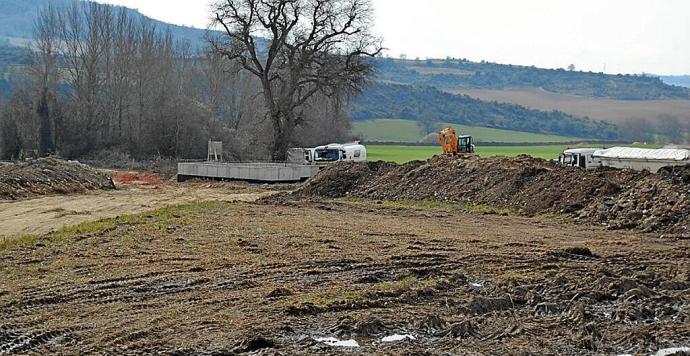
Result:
pixel 409 282
pixel 514 277
pixel 485 209
pixel 328 297
pixel 158 219
pixel 8 242
pixel 406 203
pixel 388 130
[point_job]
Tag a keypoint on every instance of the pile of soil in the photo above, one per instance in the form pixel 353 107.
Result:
pixel 525 185
pixel 137 178
pixel 49 176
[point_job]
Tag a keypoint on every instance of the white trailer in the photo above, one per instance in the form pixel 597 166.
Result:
pixel 642 159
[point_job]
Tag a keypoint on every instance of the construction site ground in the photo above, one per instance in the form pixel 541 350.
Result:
pixel 314 275
pixel 45 214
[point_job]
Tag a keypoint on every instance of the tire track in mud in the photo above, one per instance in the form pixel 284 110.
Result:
pixel 499 314
pixel 453 295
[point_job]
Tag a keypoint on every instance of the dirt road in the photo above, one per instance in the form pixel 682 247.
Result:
pixel 42 215
pixel 342 276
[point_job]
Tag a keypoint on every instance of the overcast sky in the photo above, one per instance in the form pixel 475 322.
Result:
pixel 618 36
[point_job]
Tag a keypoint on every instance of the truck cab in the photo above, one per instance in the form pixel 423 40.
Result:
pixel 352 152
pixel 579 157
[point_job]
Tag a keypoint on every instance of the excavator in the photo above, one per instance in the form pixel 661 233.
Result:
pixel 454 145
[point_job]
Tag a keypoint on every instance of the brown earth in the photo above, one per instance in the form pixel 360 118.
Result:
pixel 620 199
pixel 49 176
pixel 611 110
pixel 271 279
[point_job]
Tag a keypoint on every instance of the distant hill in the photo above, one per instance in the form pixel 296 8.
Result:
pixel 679 80
pixel 17 19
pixel 408 131
pixel 426 88
pixel 421 103
pixel 457 74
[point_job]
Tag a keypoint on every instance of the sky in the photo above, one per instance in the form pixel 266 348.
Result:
pixel 614 36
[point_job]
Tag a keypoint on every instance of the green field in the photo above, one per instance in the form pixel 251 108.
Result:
pixel 403 154
pixel 395 130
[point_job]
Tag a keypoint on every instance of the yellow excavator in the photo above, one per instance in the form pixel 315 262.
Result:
pixel 454 145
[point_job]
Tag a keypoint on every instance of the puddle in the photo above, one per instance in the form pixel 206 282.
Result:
pixel 331 341
pixel 398 338
pixel 477 285
pixel 671 351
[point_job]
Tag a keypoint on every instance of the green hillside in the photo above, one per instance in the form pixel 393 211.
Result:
pixel 456 74
pixel 396 130
pixel 428 104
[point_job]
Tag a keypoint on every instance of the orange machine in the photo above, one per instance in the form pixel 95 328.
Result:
pixel 452 144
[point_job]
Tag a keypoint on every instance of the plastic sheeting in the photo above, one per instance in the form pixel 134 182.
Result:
pixel 644 154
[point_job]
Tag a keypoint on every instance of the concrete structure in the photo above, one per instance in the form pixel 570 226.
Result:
pixel 251 172
pixel 642 159
pixel 215 151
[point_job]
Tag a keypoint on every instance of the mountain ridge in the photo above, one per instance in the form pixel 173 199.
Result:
pixel 17 20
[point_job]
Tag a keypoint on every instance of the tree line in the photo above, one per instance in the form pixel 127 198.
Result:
pixel 99 80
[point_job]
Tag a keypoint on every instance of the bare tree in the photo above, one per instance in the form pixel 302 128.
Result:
pixel 297 48
pixel 45 73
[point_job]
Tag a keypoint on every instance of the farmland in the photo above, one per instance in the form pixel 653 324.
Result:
pixel 396 130
pixel 402 154
pixel 611 110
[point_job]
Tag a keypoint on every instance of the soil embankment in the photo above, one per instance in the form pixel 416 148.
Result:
pixel 48 176
pixel 619 199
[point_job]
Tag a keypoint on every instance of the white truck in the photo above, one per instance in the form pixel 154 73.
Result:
pixel 335 152
pixel 638 159
pixel 579 157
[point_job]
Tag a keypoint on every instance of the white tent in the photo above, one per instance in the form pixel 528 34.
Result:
pixel 641 158
pixel 644 154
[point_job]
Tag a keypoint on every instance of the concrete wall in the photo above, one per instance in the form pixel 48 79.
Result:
pixel 254 172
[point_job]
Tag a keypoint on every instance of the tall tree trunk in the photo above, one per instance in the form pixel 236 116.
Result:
pixel 282 134
pixel 46 139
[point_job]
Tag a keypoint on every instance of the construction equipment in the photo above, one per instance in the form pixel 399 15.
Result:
pixel 452 144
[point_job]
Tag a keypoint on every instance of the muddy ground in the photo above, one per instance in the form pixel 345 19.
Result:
pixel 272 279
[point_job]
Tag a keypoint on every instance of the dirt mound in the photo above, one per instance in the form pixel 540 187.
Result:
pixel 525 185
pixel 49 176
pixel 137 178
